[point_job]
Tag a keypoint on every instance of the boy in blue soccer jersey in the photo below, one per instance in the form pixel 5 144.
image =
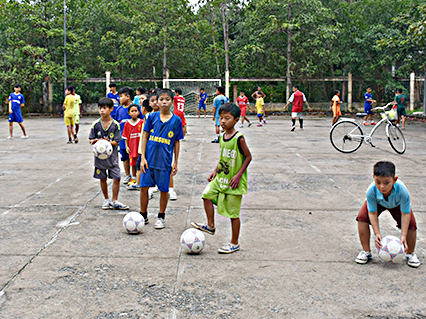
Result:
pixel 16 101
pixel 160 141
pixel 109 129
pixel 113 95
pixel 368 105
pixel 218 101
pixel 387 193
pixel 203 101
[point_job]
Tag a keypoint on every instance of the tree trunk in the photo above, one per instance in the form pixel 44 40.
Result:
pixel 164 48
pixel 288 54
pixel 225 35
pixel 214 44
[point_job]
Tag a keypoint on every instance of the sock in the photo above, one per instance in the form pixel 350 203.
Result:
pixel 170 189
pixel 163 215
pixel 293 121
pixel 301 123
pixel 144 215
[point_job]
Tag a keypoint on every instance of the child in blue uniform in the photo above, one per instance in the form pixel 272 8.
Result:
pixel 160 141
pixel 203 101
pixel 368 106
pixel 16 101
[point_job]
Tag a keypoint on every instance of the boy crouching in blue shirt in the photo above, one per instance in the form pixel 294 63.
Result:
pixel 162 132
pixel 387 193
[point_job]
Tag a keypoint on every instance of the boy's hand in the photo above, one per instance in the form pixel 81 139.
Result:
pixel 211 177
pixel 144 164
pixel 10 111
pixel 404 242
pixel 377 241
pixel 92 142
pixel 309 109
pixel 128 150
pixel 174 169
pixel 235 181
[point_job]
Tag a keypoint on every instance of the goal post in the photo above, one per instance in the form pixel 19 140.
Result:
pixel 191 91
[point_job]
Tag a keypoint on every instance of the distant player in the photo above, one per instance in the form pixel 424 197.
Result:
pixel 77 112
pixel 68 107
pixel 131 135
pixel 218 101
pixel 179 108
pixel 140 96
pixel 368 98
pixel 228 182
pixel 161 137
pixel 113 95
pixel 109 129
pixel 400 100
pixel 335 106
pixel 243 103
pixel 257 92
pixel 260 108
pixel 203 102
pixel 16 101
pixel 297 98
pixel 387 193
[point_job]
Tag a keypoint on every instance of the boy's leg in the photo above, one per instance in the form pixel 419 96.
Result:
pixel 235 225
pixel 11 129
pixel 115 189
pixel 144 199
pixel 403 121
pixel 104 188
pixel 69 132
pixel 77 128
pixel 301 122
pixel 209 208
pixel 184 130
pixel 205 112
pixel 199 110
pixel 164 198
pixel 126 166
pixel 23 128
pixel 364 235
pixel 411 241
pixel 134 172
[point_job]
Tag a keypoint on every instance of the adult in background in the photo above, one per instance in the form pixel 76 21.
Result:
pixel 297 98
pixel 258 92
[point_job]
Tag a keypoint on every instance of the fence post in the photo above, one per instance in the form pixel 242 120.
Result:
pixel 227 83
pixel 412 86
pixel 424 96
pixel 50 94
pixel 107 80
pixel 349 91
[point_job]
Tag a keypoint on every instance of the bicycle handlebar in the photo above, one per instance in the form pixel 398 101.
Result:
pixel 383 107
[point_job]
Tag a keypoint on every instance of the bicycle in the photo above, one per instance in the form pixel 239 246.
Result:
pixel 347 135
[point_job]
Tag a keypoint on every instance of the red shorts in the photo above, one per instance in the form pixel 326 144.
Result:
pixel 395 212
pixel 182 117
pixel 243 111
pixel 132 161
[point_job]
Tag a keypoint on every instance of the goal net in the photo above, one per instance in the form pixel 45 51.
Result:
pixel 191 91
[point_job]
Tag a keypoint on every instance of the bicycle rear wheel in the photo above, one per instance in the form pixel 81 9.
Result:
pixel 346 136
pixel 396 138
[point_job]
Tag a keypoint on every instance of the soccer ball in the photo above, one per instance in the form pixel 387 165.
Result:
pixel 392 249
pixel 192 241
pixel 102 149
pixel 133 222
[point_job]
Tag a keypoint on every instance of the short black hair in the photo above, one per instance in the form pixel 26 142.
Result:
pixel 133 105
pixel 230 108
pixel 17 85
pixel 112 85
pixel 141 89
pixel 165 91
pixel 335 92
pixel 178 91
pixel 296 86
pixel 243 91
pixel 368 87
pixel 221 89
pixel 70 88
pixel 399 90
pixel 146 105
pixel 384 169
pixel 202 89
pixel 106 102
pixel 127 91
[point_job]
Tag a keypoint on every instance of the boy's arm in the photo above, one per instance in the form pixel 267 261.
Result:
pixel 214 113
pixel 176 150
pixel 307 104
pixel 213 175
pixel 374 220
pixel 235 180
pixel 127 146
pixel 405 222
pixel 10 107
pixel 144 163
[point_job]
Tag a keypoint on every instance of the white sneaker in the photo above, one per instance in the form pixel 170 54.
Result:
pixel 363 257
pixel 241 125
pixel 160 223
pixel 150 193
pixel 154 189
pixel 9 137
pixel 106 204
pixel 24 136
pixel 293 128
pixel 172 195
pixel 228 248
pixel 412 260
pixel 127 179
pixel 117 205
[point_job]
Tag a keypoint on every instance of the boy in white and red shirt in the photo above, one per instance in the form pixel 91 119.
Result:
pixel 179 108
pixel 243 102
pixel 297 98
pixel 131 135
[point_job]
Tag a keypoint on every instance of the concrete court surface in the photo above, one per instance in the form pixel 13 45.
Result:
pixel 61 256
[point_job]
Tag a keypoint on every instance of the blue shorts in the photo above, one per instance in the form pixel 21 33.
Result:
pixel 368 109
pixel 158 177
pixel 16 116
pixel 217 123
pixel 259 115
pixel 123 152
pixel 202 106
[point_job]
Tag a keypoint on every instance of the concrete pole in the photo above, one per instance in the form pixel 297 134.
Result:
pixel 424 97
pixel 350 91
pixel 235 93
pixel 50 94
pixel 227 83
pixel 412 84
pixel 107 80
pixel 167 83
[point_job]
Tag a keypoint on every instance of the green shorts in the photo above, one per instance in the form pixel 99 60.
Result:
pixel 228 205
pixel 76 118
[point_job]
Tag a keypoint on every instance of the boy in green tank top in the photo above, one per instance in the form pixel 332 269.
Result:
pixel 228 182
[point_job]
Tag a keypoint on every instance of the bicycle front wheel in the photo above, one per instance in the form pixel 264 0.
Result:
pixel 396 138
pixel 346 136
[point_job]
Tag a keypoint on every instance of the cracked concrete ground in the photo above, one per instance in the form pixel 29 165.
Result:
pixel 61 256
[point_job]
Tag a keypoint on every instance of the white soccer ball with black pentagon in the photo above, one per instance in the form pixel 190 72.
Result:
pixel 133 222
pixel 392 249
pixel 192 241
pixel 102 149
